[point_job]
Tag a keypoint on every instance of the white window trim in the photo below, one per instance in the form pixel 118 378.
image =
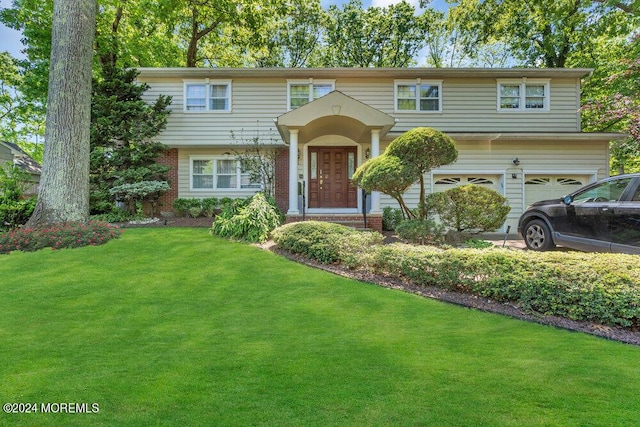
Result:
pixel 208 83
pixel 214 159
pixel 309 82
pixel 523 82
pixel 417 82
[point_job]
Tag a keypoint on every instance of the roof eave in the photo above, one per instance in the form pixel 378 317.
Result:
pixel 398 73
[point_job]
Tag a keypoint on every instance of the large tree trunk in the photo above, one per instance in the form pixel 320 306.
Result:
pixel 64 185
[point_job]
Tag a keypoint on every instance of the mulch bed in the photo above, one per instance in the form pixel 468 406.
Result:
pixel 458 298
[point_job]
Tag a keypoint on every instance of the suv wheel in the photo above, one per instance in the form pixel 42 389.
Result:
pixel 537 236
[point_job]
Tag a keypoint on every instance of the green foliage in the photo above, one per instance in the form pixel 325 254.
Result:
pixel 376 36
pixel 210 205
pixel 251 223
pixel 470 208
pixel 542 33
pixel 478 244
pixel 258 159
pixel 20 118
pixel 138 192
pixel 123 126
pixel 182 206
pixel 59 236
pixel 602 288
pixel 147 319
pixel 389 175
pixel 325 242
pixel 195 211
pixel 421 231
pixel 391 218
pixel 16 213
pixel 15 210
pixel 423 149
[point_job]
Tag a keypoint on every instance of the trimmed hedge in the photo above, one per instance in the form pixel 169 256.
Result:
pixel 325 242
pixel 601 288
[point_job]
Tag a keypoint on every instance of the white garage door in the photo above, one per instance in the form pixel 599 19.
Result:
pixel 545 187
pixel 445 182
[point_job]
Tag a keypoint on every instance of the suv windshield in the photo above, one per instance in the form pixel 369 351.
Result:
pixel 608 191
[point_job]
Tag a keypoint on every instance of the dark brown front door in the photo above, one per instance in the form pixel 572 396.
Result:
pixel 330 170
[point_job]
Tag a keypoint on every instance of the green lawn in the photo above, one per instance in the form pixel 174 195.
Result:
pixel 175 327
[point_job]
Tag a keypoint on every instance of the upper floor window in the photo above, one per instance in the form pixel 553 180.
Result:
pixel 417 95
pixel 207 95
pixel 302 92
pixel 220 173
pixel 523 95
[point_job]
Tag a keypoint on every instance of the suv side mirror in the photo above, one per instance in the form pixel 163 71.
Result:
pixel 568 200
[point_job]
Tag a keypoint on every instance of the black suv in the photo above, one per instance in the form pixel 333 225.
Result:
pixel 602 217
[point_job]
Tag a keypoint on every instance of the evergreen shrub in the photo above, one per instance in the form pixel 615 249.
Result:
pixel 391 217
pixel 595 287
pixel 326 242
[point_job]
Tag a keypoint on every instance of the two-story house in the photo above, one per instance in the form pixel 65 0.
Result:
pixel 517 131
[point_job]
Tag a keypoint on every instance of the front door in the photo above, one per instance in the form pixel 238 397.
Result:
pixel 330 171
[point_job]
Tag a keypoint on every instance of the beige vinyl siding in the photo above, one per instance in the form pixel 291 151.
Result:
pixel 254 106
pixel 468 105
pixel 184 175
pixel 536 158
pixel 471 106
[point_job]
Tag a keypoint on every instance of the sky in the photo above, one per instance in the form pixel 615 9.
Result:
pixel 10 39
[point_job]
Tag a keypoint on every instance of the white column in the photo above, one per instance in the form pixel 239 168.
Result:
pixel 375 152
pixel 293 172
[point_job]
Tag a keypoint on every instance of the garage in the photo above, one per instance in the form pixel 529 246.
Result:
pixel 545 187
pixel 445 182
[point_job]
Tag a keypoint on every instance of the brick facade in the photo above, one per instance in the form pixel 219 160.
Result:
pixel 170 158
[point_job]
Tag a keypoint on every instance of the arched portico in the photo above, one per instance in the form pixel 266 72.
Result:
pixel 327 167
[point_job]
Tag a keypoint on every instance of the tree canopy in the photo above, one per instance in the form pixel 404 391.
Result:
pixel 423 149
pixel 598 34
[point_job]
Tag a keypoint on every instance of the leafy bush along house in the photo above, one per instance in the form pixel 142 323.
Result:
pixel 11 154
pixel 517 131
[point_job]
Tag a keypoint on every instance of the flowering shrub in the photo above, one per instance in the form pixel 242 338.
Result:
pixel 67 235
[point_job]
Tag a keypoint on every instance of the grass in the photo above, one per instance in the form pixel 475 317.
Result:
pixel 175 327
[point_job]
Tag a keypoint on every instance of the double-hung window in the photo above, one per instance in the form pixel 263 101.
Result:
pixel 418 95
pixel 220 173
pixel 523 95
pixel 301 92
pixel 207 95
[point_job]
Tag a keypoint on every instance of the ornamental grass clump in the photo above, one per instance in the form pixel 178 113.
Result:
pixel 58 236
pixel 251 223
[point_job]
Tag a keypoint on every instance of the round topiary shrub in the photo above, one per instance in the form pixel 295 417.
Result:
pixel 472 208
